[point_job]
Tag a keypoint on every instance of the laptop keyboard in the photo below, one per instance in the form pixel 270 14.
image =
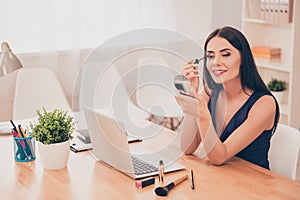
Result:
pixel 141 167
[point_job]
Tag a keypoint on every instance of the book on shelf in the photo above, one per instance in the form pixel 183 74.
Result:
pixel 262 10
pixel 286 11
pixel 268 56
pixel 266 50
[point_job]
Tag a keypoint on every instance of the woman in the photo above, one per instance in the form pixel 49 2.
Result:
pixel 236 114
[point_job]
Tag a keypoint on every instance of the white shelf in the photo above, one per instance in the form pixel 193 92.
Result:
pixel 259 21
pixel 285 36
pixel 272 65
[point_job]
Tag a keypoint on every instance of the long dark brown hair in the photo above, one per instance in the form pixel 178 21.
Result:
pixel 249 75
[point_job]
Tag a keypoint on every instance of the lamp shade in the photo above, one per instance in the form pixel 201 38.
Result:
pixel 9 62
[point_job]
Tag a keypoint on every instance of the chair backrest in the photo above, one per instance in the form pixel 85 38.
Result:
pixel 284 154
pixel 155 90
pixel 37 88
pixel 99 82
pixel 7 88
pixel 102 87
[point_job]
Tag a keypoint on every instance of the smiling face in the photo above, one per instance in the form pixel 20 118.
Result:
pixel 224 60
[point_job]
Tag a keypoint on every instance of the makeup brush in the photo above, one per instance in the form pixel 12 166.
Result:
pixel 163 191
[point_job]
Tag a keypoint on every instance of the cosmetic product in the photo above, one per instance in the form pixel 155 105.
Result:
pixel 192 179
pixel 144 182
pixel 161 172
pixel 163 191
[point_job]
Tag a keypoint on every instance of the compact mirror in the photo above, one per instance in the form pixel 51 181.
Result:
pixel 182 83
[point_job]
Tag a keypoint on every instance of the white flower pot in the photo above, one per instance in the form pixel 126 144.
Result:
pixel 54 156
pixel 278 95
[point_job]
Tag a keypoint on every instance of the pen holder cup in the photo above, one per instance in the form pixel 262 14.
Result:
pixel 24 149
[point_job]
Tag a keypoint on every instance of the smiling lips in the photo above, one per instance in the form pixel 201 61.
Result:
pixel 218 72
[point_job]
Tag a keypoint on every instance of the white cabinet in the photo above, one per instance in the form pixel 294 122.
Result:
pixel 275 33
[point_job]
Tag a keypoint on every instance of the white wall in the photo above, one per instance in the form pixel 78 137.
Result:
pixel 194 18
pixel 197 18
pixel 228 12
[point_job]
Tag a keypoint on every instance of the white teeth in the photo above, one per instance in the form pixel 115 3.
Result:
pixel 218 72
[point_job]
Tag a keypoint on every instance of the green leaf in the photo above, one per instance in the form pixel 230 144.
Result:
pixel 277 85
pixel 53 126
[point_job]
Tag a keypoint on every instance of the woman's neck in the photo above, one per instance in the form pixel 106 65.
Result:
pixel 233 89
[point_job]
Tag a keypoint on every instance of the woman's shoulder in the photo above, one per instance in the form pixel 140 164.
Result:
pixel 264 102
pixel 263 98
pixel 264 110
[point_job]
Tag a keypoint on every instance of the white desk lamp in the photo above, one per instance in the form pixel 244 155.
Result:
pixel 9 62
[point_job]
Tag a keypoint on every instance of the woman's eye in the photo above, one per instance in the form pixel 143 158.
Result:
pixel 226 54
pixel 210 56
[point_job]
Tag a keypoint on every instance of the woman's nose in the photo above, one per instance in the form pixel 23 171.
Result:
pixel 217 60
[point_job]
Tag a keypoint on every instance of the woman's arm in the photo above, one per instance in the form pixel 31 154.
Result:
pixel 260 118
pixel 190 137
pixel 189 131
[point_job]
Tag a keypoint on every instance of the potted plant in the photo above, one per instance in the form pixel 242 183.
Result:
pixel 277 88
pixel 53 133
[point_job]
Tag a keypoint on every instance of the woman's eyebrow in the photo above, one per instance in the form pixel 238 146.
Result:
pixel 225 49
pixel 222 50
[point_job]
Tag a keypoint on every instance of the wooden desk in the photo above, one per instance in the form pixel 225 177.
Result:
pixel 85 178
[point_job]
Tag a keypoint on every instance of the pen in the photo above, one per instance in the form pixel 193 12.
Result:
pixel 21 130
pixel 192 179
pixel 28 148
pixel 20 147
pixel 14 126
pixel 28 131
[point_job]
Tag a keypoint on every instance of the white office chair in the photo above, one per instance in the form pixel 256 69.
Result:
pixel 155 92
pixel 102 87
pixel 284 154
pixel 7 88
pixel 37 88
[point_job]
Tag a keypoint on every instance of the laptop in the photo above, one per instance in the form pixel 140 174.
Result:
pixel 81 140
pixel 110 145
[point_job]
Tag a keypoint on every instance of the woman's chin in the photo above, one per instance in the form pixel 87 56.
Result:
pixel 218 80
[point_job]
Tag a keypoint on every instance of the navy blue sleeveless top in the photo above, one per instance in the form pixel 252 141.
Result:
pixel 257 151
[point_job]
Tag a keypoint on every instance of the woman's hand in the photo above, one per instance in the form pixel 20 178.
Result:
pixel 195 106
pixel 188 104
pixel 204 113
pixel 190 70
